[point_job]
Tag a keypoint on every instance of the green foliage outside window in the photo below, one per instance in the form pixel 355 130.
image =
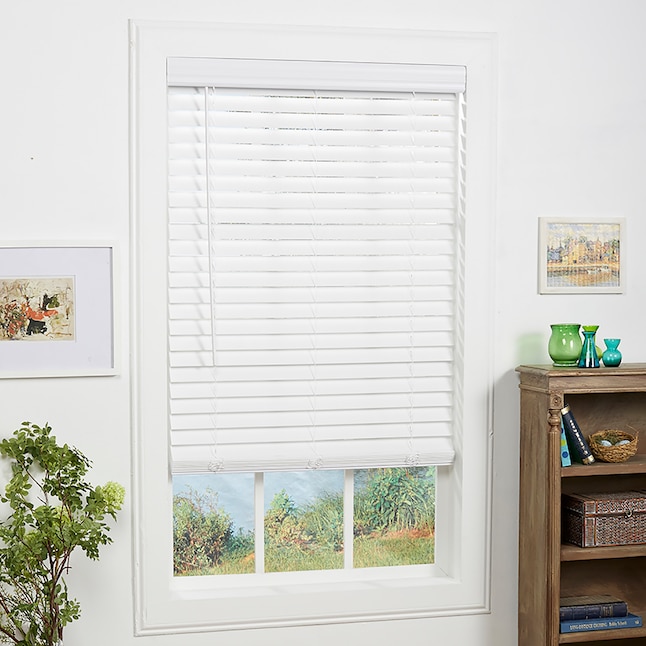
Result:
pixel 394 523
pixel 200 531
pixel 395 499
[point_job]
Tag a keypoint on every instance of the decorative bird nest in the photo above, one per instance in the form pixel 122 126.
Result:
pixel 613 445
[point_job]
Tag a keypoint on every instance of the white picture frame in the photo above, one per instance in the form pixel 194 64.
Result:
pixel 581 255
pixel 57 310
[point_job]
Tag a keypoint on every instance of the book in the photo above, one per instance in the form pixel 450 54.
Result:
pixel 566 461
pixel 605 623
pixel 579 447
pixel 591 607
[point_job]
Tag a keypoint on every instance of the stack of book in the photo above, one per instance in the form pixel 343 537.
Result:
pixel 595 612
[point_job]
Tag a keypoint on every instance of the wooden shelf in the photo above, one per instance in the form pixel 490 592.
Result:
pixel 574 553
pixel 548 569
pixel 634 465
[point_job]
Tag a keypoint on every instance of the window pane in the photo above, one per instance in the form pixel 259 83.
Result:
pixel 303 521
pixel 394 516
pixel 213 524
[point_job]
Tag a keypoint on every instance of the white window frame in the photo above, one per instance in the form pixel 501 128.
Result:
pixel 459 582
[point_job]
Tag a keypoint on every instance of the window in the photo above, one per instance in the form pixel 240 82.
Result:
pixel 321 337
pixel 313 272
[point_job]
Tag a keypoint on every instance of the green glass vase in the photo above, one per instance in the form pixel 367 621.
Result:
pixel 611 356
pixel 589 354
pixel 565 344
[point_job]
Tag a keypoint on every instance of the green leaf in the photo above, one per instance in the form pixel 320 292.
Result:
pixel 53 511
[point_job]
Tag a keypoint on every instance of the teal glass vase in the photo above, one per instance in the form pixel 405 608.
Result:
pixel 611 356
pixel 589 357
pixel 564 346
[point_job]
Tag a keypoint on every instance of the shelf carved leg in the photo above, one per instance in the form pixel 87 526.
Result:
pixel 554 498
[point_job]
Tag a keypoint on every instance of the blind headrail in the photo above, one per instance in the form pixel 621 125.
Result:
pixel 315 75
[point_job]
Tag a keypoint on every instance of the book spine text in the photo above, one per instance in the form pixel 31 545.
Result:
pixel 630 621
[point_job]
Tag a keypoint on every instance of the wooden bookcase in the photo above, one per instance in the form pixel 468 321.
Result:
pixel 600 398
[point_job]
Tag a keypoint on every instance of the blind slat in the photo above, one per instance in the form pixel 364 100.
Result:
pixel 207 390
pixel 228 374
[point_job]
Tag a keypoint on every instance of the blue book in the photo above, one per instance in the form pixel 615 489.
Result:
pixel 591 607
pixel 579 447
pixel 605 623
pixel 566 461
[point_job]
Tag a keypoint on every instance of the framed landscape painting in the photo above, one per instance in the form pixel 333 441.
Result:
pixel 581 256
pixel 56 310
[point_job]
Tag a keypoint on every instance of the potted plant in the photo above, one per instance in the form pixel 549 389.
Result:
pixel 50 511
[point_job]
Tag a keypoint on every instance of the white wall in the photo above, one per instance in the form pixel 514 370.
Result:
pixel 572 141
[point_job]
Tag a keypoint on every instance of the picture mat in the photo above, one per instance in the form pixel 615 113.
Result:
pixel 598 277
pixel 92 351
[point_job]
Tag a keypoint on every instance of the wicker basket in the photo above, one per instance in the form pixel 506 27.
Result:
pixel 596 519
pixel 613 453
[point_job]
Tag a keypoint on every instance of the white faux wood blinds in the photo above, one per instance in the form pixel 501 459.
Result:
pixel 313 277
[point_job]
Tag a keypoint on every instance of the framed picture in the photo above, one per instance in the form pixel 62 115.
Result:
pixel 581 256
pixel 56 310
